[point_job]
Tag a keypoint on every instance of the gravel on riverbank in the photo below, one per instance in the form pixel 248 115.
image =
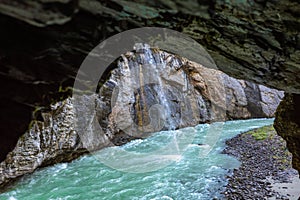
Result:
pixel 265 161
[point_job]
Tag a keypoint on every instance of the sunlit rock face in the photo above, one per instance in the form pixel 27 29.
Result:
pixel 149 90
pixel 151 81
pixel 248 100
pixel 155 90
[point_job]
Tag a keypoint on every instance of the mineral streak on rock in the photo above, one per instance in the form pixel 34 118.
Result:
pixel 148 91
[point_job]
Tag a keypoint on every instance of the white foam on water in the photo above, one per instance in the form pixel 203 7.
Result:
pixel 133 143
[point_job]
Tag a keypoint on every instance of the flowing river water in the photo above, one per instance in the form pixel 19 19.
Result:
pixel 192 176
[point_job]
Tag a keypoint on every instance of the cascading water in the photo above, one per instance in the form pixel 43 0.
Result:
pixel 157 68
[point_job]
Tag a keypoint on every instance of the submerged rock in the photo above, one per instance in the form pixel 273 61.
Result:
pixel 148 91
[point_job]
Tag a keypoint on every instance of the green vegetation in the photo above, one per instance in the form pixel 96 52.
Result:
pixel 263 132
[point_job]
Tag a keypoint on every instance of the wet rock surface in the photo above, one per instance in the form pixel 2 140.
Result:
pixel 261 160
pixel 131 105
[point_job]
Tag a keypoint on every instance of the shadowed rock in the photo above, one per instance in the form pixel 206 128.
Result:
pixel 287 124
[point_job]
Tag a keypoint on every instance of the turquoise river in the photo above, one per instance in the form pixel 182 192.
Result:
pixel 193 175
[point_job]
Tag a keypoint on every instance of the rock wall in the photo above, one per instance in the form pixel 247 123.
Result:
pixel 149 90
pixel 254 40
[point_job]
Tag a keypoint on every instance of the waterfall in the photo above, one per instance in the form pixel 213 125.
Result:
pixel 156 69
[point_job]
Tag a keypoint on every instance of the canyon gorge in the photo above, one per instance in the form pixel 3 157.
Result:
pixel 44 42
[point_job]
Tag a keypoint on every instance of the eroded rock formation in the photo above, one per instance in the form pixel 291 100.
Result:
pixel 149 90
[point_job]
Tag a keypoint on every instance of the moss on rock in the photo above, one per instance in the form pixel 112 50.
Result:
pixel 262 133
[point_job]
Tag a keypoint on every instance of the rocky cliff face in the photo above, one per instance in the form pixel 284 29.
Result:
pixel 149 90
